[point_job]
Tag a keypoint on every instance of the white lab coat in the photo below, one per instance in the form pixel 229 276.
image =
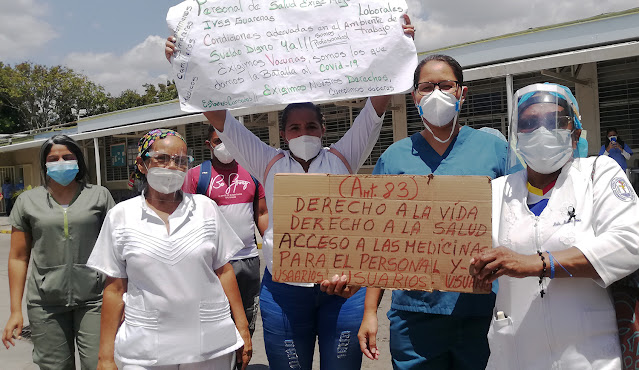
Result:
pixel 573 326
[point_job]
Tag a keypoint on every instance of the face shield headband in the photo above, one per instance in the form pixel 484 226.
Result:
pixel 566 118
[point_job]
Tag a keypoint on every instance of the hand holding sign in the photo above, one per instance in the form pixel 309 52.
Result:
pixel 233 54
pixel 402 232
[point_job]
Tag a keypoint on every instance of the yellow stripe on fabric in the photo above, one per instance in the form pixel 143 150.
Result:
pixel 535 190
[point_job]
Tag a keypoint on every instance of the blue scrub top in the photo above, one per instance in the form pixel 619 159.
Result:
pixel 471 152
pixel 616 155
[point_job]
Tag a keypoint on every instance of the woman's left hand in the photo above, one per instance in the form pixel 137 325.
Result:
pixel 493 263
pixel 244 353
pixel 409 29
pixel 337 286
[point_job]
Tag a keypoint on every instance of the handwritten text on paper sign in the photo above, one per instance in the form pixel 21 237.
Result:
pixel 401 232
pixel 241 53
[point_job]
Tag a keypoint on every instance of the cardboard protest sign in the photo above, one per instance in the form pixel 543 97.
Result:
pixel 402 231
pixel 241 53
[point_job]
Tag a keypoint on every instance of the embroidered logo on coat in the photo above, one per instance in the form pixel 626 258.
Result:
pixel 622 190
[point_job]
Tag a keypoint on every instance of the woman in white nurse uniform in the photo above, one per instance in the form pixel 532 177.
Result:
pixel 564 229
pixel 166 256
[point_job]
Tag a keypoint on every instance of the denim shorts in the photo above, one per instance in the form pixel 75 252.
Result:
pixel 294 316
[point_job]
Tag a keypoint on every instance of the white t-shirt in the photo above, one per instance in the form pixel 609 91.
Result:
pixel 254 155
pixel 175 308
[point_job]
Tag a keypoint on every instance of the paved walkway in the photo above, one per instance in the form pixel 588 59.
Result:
pixel 19 357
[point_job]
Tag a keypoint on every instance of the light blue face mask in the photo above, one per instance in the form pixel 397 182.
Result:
pixel 62 172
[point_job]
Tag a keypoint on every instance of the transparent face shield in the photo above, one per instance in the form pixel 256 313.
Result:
pixel 541 127
pixel 167 169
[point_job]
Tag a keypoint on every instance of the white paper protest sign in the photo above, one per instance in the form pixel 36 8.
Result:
pixel 242 53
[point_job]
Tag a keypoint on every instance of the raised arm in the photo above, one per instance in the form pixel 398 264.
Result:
pixel 216 118
pixel 380 103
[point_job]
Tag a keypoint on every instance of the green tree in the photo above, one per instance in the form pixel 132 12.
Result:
pixel 167 92
pixel 34 96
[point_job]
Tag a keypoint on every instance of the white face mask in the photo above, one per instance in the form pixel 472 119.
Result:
pixel 165 180
pixel 222 154
pixel 305 147
pixel 438 108
pixel 545 151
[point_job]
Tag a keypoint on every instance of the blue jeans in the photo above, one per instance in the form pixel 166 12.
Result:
pixel 294 316
pixel 438 342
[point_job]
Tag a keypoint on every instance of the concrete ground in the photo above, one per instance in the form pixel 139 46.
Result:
pixel 19 357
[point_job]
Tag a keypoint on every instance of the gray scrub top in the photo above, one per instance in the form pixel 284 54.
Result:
pixel 62 241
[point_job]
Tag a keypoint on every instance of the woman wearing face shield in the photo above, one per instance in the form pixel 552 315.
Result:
pixel 166 254
pixel 437 330
pixel 295 315
pixel 57 224
pixel 563 229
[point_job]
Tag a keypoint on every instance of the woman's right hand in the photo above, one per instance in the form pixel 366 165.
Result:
pixel 169 48
pixel 613 145
pixel 13 329
pixel 107 364
pixel 367 336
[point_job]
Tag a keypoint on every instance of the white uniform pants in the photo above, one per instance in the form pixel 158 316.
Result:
pixel 224 362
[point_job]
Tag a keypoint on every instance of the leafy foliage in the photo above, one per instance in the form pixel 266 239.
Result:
pixel 34 96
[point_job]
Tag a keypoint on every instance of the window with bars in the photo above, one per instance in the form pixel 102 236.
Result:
pixel 120 173
pixel 619 98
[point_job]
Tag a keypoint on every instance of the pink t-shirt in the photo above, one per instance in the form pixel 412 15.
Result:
pixel 233 189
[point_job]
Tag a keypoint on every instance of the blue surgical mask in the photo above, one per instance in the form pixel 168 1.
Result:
pixel 62 172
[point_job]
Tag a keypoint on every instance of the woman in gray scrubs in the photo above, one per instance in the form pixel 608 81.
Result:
pixel 58 224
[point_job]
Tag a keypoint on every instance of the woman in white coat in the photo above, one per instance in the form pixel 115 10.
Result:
pixel 166 254
pixel 563 229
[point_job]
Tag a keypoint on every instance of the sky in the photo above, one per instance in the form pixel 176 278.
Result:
pixel 120 44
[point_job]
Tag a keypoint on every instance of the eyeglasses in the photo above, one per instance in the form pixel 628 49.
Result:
pixel 163 159
pixel 425 88
pixel 551 121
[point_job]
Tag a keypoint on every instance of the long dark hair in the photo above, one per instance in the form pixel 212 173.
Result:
pixel 619 141
pixel 83 173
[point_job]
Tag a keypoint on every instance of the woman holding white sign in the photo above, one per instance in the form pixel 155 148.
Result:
pixel 294 315
pixel 564 229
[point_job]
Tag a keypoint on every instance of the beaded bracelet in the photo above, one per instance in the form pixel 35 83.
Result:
pixel 543 274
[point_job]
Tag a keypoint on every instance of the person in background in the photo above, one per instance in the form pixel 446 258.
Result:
pixel 295 315
pixel 563 230
pixel 7 194
pixel 616 149
pixel 166 256
pixel 437 330
pixel 58 223
pixel 19 185
pixel 241 200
